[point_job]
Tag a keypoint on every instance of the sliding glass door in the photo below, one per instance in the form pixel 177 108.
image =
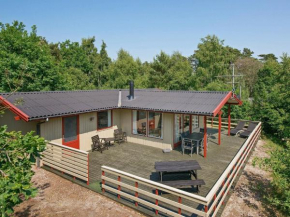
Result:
pixel 184 123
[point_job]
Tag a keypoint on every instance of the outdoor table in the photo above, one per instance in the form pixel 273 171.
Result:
pixel 177 166
pixel 109 140
pixel 196 137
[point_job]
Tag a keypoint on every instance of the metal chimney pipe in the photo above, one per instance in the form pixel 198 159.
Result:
pixel 131 83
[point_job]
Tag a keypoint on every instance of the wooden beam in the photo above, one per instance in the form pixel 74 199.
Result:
pixel 220 127
pixel 204 137
pixel 229 119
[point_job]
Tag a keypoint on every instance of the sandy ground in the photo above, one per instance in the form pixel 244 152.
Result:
pixel 247 197
pixel 60 197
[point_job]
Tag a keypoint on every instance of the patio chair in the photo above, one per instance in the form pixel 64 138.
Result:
pixel 98 144
pixel 187 144
pixel 184 135
pixel 249 130
pixel 120 136
pixel 201 144
pixel 238 129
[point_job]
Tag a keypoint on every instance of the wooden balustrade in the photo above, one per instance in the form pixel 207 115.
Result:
pixel 67 160
pixel 211 203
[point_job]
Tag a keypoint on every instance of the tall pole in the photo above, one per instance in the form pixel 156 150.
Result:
pixel 220 127
pixel 204 137
pixel 233 78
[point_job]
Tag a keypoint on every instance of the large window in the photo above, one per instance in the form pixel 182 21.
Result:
pixel 177 127
pixel 104 119
pixel 186 123
pixel 140 122
pixel 147 123
pixel 155 124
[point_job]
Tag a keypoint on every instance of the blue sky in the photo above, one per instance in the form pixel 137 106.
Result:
pixel 145 27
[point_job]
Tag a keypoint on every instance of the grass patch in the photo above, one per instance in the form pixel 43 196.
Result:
pixel 278 163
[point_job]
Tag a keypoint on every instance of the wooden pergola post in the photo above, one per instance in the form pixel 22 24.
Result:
pixel 229 119
pixel 204 137
pixel 220 126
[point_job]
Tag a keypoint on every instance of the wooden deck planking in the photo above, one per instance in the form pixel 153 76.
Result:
pixel 140 160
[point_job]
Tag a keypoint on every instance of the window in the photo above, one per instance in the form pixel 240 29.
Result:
pixel 178 127
pixel 104 119
pixel 186 123
pixel 155 124
pixel 147 123
pixel 139 122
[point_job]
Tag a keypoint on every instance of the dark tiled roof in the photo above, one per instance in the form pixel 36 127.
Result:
pixel 193 102
pixel 39 105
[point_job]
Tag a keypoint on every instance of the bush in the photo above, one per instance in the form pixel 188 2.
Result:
pixel 17 153
pixel 279 164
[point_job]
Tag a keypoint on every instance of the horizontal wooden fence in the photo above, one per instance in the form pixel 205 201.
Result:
pixel 67 160
pixel 119 182
pixel 214 122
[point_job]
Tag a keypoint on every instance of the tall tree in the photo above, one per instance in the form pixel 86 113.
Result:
pixel 267 57
pixel 171 72
pixel 105 61
pixel 213 59
pixel 249 68
pixel 247 52
pixel 122 70
pixel 271 97
pixel 26 61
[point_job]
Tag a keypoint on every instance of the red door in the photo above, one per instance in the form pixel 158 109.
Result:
pixel 70 131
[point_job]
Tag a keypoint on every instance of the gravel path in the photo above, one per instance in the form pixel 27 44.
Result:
pixel 60 197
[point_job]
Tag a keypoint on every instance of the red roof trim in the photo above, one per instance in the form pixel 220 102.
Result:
pixel 240 102
pixel 14 109
pixel 222 103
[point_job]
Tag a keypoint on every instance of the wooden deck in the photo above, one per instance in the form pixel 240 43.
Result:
pixel 139 159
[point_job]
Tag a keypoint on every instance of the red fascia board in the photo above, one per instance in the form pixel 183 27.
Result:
pixel 14 109
pixel 222 103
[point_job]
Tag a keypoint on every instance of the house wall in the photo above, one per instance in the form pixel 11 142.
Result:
pixel 88 129
pixel 166 142
pixel 8 119
pixel 201 121
pixel 122 118
pixel 52 130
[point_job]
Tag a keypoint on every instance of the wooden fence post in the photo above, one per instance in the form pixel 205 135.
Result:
pixel 179 201
pixel 156 202
pixel 119 187
pixel 103 181
pixel 136 193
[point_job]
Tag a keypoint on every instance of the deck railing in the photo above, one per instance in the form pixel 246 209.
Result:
pixel 67 160
pixel 214 122
pixel 207 206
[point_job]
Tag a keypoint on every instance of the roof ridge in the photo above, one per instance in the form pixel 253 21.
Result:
pixel 105 90
pixel 182 91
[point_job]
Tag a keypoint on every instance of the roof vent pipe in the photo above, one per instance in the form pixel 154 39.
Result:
pixel 120 99
pixel 131 96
